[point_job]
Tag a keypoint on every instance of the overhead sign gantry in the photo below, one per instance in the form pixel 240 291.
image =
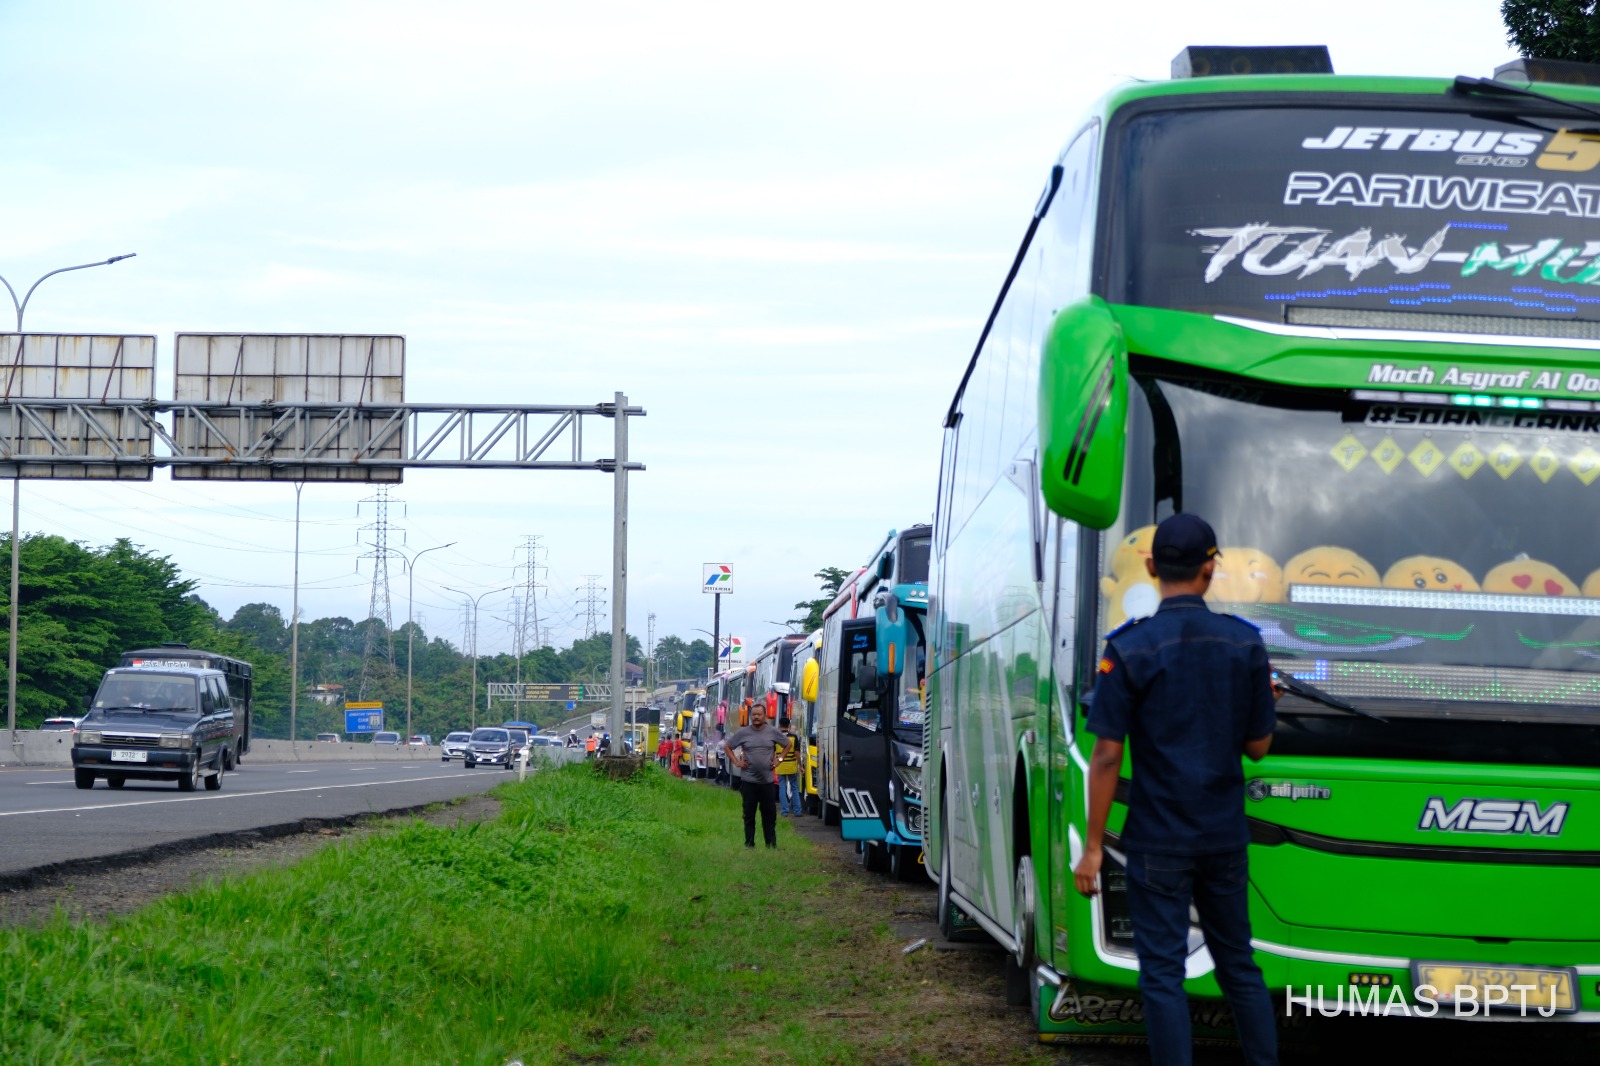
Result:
pixel 279 407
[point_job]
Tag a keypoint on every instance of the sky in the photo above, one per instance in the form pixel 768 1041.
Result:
pixel 776 228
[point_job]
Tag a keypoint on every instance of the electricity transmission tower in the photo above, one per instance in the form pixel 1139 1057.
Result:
pixel 591 604
pixel 528 613
pixel 379 609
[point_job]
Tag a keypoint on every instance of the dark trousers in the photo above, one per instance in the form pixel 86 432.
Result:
pixel 763 794
pixel 1160 889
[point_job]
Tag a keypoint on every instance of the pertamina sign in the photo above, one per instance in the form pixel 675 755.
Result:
pixel 717 578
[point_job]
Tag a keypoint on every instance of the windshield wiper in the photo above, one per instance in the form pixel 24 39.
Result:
pixel 1490 87
pixel 1307 691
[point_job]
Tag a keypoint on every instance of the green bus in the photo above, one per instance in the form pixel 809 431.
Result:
pixel 1354 322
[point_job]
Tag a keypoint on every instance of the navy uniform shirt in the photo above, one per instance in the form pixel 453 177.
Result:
pixel 1187 687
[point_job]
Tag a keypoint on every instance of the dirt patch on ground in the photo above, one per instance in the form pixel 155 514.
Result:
pixel 109 889
pixel 953 1008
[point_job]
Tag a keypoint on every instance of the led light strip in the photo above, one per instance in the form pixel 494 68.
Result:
pixel 1503 603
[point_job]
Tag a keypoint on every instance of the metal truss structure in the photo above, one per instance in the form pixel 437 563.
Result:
pixel 112 439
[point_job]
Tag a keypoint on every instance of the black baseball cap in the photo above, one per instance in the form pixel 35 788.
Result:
pixel 1184 540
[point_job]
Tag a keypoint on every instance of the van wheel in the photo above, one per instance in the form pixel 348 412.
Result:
pixel 214 782
pixel 1020 966
pixel 191 777
pixel 83 778
pixel 228 759
pixel 115 780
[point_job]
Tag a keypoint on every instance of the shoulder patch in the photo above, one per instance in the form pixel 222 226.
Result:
pixel 1129 624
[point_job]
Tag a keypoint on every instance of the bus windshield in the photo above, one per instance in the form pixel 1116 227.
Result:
pixel 915 550
pixel 1420 559
pixel 1361 216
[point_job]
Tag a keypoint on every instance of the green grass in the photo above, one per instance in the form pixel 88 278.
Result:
pixel 593 921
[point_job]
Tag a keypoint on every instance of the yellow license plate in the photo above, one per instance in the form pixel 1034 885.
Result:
pixel 1501 987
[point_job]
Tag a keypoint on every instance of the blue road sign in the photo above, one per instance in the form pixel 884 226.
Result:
pixel 363 721
pixel 571 706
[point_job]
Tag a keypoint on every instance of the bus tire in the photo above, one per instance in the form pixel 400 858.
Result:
pixel 830 814
pixel 1020 966
pixel 903 864
pixel 946 909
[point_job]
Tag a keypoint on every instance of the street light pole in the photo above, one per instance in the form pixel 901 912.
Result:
pixel 411 592
pixel 474 600
pixel 16 508
pixel 294 623
pixel 716 648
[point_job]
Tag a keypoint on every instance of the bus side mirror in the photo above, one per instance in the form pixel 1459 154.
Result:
pixel 894 633
pixel 810 677
pixel 1083 413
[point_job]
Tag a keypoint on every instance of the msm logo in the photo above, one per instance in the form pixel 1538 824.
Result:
pixel 1493 816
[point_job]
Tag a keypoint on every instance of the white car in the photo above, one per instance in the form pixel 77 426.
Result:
pixel 454 745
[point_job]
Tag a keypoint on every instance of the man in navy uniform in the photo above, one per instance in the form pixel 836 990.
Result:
pixel 1191 691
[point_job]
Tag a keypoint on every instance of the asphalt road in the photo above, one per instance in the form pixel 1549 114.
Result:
pixel 46 821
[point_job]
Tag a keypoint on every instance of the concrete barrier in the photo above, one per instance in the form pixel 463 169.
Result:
pixel 54 748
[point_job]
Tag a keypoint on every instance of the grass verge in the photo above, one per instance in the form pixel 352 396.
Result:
pixel 593 921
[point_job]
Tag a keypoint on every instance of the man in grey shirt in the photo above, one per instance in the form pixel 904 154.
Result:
pixel 752 749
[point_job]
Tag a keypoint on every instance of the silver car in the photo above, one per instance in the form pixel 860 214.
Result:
pixel 489 745
pixel 454 745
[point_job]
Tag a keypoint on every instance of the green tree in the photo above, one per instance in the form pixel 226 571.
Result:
pixel 672 658
pixel 700 658
pixel 263 625
pixel 1553 29
pixel 810 620
pixel 80 608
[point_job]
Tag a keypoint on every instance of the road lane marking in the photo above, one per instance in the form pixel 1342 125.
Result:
pixel 301 771
pixel 223 796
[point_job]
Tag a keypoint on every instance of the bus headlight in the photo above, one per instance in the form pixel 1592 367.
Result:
pixel 910 779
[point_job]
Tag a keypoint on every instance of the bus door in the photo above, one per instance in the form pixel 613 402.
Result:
pixel 864 805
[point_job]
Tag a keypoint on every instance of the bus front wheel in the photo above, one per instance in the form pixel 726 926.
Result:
pixel 1020 965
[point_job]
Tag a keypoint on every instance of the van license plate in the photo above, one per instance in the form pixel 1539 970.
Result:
pixel 118 755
